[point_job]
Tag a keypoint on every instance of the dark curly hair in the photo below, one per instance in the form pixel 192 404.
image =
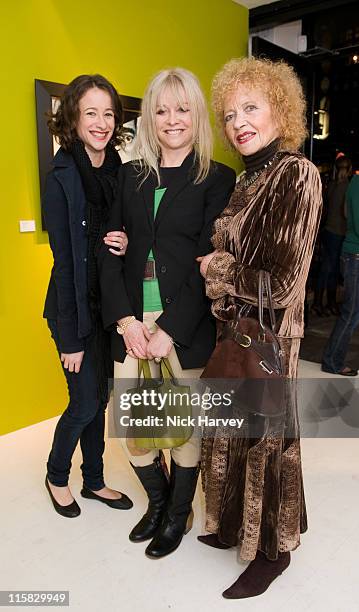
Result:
pixel 62 124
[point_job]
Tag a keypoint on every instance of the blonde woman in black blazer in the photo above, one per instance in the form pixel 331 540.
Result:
pixel 168 202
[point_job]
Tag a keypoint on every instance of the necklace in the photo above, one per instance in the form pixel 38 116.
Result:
pixel 253 177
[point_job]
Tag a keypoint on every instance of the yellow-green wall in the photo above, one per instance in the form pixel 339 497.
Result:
pixel 56 40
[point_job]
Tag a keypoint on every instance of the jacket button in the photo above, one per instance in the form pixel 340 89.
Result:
pixel 168 300
pixel 85 259
pixel 163 269
pixel 83 223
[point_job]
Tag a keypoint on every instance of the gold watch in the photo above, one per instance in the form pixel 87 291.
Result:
pixel 121 327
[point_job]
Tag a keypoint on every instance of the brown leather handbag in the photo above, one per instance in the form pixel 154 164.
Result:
pixel 247 360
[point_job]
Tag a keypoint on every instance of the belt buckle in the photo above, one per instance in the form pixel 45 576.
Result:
pixel 150 270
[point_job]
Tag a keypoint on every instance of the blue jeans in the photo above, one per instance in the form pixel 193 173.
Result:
pixel 338 344
pixel 83 420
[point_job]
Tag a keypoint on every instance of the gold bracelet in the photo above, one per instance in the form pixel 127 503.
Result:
pixel 121 327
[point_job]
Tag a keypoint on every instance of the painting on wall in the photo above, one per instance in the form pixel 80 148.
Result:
pixel 48 96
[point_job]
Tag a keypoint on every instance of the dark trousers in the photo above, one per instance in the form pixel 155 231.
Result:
pixel 329 270
pixel 83 420
pixel 337 347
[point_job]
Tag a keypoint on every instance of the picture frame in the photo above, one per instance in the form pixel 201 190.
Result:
pixel 47 96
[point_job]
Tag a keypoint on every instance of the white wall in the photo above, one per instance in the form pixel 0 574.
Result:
pixel 288 35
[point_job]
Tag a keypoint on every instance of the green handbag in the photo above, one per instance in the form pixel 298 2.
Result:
pixel 173 427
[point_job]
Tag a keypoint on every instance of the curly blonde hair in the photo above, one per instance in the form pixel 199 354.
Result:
pixel 281 87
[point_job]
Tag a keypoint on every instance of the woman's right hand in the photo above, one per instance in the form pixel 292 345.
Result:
pixel 72 361
pixel 136 338
pixel 204 261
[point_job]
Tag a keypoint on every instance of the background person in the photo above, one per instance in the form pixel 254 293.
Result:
pixel 338 343
pixel 79 193
pixel 156 296
pixel 332 237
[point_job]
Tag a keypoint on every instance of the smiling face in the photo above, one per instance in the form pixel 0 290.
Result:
pixel 173 121
pixel 96 122
pixel 248 120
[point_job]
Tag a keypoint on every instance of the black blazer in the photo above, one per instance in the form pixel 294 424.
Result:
pixel 64 206
pixel 180 232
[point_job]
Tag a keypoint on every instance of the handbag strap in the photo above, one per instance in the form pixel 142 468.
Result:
pixel 264 288
pixel 166 370
pixel 144 367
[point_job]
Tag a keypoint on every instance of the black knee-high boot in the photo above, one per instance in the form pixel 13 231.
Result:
pixel 154 478
pixel 178 517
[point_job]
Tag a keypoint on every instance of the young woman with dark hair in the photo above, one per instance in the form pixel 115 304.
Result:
pixel 78 196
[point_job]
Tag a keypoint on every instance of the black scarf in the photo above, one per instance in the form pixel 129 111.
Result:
pixel 100 188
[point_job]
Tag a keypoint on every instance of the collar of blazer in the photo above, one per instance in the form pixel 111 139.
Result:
pixel 66 172
pixel 180 181
pixel 63 159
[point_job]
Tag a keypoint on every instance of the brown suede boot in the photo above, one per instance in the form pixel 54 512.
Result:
pixel 258 576
pixel 212 540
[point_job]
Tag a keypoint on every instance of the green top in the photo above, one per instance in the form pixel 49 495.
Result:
pixel 351 241
pixel 151 291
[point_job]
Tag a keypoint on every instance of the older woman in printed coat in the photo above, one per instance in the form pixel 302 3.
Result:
pixel 253 485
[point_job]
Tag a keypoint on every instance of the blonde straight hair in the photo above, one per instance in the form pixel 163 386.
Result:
pixel 185 86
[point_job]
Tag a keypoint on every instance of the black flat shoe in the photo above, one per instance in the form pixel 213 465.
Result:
pixel 349 371
pixel 70 511
pixel 124 503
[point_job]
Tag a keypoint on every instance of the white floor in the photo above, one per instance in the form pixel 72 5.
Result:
pixel 92 557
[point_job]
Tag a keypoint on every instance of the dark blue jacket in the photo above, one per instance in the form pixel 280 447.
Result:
pixel 64 206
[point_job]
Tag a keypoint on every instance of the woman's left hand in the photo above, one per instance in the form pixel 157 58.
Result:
pixel 159 345
pixel 204 261
pixel 117 240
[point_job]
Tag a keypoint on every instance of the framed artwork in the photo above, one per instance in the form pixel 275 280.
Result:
pixel 48 94
pixel 131 121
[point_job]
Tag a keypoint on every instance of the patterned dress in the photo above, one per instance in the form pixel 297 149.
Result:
pixel 253 486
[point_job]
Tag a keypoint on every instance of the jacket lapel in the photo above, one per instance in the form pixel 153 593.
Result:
pixel 66 172
pixel 148 194
pixel 180 181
